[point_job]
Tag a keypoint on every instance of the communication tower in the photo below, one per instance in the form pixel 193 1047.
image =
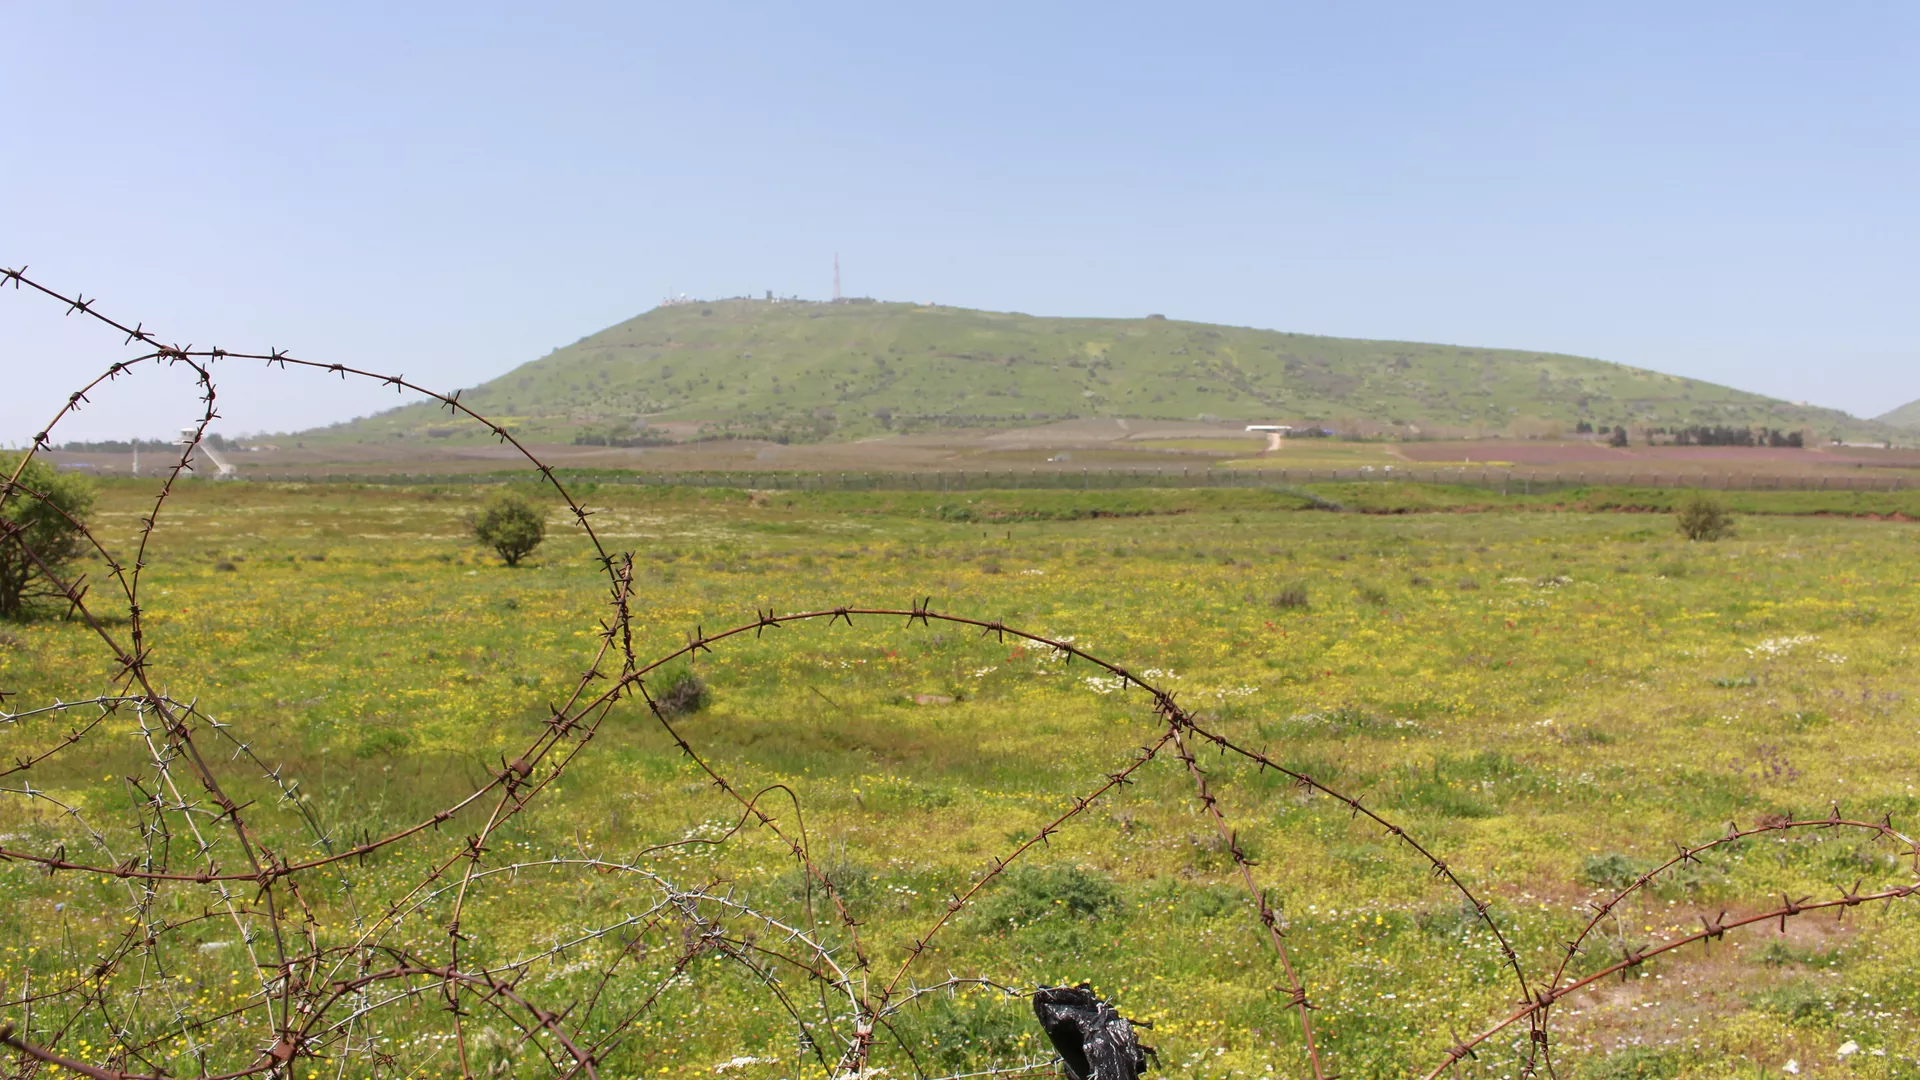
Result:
pixel 836 277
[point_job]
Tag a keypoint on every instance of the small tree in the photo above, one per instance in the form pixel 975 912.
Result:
pixel 40 522
pixel 511 525
pixel 1702 517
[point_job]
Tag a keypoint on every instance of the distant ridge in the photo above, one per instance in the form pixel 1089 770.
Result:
pixel 802 371
pixel 1906 416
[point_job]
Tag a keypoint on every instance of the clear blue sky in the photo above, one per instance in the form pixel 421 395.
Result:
pixel 1726 191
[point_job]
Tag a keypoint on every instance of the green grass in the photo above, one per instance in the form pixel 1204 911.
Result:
pixel 1547 696
pixel 804 372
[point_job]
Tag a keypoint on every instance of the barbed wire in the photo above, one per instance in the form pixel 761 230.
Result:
pixel 321 992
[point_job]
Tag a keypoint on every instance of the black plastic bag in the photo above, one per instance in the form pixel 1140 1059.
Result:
pixel 1095 1041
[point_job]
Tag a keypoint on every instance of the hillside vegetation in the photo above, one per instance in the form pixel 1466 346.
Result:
pixel 1906 416
pixel 791 371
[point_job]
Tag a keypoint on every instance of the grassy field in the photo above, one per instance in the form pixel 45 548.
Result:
pixel 1546 692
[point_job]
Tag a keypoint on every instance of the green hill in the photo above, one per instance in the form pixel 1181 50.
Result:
pixel 1906 416
pixel 796 371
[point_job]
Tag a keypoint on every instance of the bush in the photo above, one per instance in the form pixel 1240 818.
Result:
pixel 1703 517
pixel 680 692
pixel 1030 894
pixel 1291 598
pixel 511 525
pixel 1611 871
pixel 43 518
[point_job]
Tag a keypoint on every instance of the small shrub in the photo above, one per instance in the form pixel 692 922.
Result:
pixel 1616 871
pixel 1703 517
pixel 1033 893
pixel 45 526
pixel 679 692
pixel 1291 598
pixel 1611 871
pixel 1370 594
pixel 511 525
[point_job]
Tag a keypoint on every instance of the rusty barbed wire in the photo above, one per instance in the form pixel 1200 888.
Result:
pixel 319 992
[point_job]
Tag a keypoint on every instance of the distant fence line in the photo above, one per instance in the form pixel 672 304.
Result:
pixel 1503 481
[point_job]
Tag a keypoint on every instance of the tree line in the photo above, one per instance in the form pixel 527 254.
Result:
pixel 1701 435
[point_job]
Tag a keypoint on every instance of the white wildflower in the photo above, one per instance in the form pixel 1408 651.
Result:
pixel 1781 645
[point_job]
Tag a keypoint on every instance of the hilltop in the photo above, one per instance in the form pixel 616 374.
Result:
pixel 802 372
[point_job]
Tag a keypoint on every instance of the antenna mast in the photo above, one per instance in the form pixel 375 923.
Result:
pixel 836 277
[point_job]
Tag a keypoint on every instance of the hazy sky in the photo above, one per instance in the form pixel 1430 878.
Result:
pixel 1726 191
